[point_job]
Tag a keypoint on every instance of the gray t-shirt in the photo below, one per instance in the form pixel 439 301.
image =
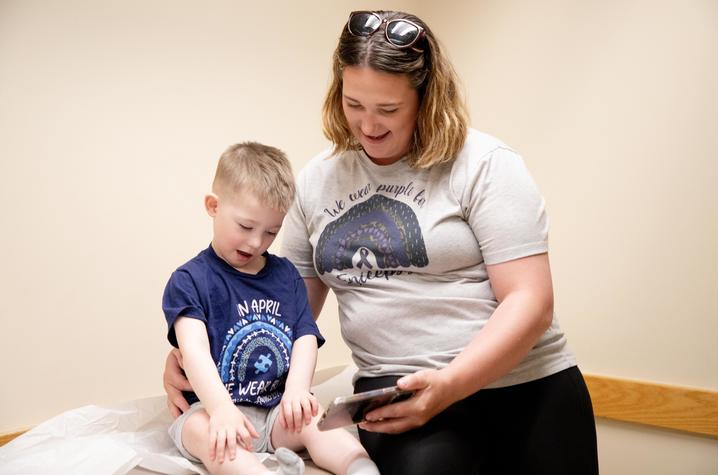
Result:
pixel 405 252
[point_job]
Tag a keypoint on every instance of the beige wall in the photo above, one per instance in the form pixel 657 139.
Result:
pixel 112 115
pixel 614 107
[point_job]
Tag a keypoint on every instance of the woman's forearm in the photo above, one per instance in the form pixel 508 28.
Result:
pixel 524 291
pixel 514 328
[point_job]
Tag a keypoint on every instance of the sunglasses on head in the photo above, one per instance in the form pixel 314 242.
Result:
pixel 399 32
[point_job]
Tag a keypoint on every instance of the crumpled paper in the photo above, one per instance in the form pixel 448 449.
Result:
pixel 120 439
pixel 99 440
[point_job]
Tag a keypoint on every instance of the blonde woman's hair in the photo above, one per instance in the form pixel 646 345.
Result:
pixel 442 123
pixel 263 170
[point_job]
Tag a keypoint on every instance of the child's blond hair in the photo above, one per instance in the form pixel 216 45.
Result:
pixel 261 169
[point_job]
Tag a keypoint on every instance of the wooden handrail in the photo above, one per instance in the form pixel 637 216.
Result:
pixel 670 407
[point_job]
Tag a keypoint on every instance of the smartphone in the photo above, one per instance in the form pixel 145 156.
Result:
pixel 348 410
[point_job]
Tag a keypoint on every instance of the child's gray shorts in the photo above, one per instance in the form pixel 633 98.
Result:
pixel 262 419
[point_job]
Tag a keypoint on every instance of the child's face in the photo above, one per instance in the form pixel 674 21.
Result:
pixel 244 228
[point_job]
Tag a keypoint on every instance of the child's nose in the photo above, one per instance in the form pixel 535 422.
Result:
pixel 255 240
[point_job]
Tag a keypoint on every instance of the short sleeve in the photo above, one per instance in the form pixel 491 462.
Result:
pixel 503 206
pixel 295 240
pixel 305 321
pixel 181 299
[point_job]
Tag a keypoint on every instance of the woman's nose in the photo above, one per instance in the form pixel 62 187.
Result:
pixel 369 125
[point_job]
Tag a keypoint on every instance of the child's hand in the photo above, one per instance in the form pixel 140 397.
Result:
pixel 298 407
pixel 227 427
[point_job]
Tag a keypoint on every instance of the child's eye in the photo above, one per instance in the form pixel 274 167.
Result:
pixel 354 106
pixel 388 111
pixel 271 233
pixel 246 228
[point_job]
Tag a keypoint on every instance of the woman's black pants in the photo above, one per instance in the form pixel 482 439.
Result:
pixel 540 427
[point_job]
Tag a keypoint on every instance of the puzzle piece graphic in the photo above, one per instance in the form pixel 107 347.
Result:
pixel 263 363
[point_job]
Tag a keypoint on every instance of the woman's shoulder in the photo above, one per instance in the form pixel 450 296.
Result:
pixel 327 158
pixel 322 169
pixel 480 145
pixel 479 150
pixel 481 156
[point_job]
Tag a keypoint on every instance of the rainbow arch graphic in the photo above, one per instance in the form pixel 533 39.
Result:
pixel 386 227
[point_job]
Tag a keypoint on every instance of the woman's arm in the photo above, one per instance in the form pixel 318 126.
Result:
pixel 316 294
pixel 524 291
pixel 175 382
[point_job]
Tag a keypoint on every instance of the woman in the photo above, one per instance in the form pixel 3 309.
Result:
pixel 433 237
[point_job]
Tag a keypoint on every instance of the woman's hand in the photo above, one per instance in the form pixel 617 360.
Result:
pixel 297 409
pixel 432 395
pixel 175 382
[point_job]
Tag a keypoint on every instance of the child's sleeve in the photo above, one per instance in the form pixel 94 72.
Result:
pixel 181 299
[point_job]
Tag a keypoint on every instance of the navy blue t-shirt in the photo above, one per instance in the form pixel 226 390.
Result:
pixel 252 321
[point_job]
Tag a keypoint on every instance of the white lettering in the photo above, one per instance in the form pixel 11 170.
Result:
pixel 243 310
pixel 266 306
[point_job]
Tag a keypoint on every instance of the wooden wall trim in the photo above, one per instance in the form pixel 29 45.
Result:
pixel 5 438
pixel 659 405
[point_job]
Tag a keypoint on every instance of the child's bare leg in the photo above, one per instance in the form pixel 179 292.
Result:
pixel 336 450
pixel 195 438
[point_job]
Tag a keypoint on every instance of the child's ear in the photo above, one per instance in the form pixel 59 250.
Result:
pixel 211 201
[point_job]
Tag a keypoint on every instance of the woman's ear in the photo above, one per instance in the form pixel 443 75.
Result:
pixel 211 201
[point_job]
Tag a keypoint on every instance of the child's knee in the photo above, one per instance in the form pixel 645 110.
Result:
pixel 196 426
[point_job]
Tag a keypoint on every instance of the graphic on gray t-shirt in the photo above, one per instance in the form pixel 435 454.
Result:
pixel 379 233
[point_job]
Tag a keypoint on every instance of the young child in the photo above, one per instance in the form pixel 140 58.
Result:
pixel 241 320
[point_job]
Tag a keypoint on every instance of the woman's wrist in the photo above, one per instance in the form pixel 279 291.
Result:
pixel 461 383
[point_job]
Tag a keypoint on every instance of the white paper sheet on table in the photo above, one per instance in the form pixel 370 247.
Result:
pixel 113 440
pixel 99 440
